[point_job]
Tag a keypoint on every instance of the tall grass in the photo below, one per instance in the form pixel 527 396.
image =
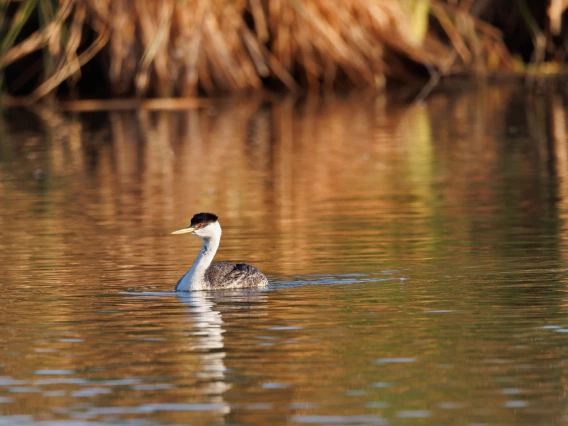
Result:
pixel 170 48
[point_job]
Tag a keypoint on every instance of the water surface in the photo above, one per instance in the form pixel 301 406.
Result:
pixel 416 254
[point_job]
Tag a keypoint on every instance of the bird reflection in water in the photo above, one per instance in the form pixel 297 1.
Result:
pixel 208 310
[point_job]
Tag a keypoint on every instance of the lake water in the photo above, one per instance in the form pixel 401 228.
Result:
pixel 417 257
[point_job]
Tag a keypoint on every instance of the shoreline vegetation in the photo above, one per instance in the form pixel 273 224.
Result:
pixel 103 49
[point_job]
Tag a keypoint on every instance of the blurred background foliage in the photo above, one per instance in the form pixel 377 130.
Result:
pixel 185 48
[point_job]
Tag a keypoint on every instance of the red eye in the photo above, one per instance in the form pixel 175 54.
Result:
pixel 199 225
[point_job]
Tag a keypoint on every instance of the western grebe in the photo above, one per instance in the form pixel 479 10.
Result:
pixel 204 276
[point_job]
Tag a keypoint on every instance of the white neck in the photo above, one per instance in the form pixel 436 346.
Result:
pixel 194 279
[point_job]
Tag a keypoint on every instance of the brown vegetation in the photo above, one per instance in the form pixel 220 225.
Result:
pixel 186 47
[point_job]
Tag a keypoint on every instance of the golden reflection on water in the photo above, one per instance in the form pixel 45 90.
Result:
pixel 338 200
pixel 297 178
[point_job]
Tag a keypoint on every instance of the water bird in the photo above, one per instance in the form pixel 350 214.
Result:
pixel 223 275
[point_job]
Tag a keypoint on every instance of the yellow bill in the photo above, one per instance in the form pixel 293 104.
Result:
pixel 184 231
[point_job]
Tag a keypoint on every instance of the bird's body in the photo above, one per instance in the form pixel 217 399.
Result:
pixel 225 275
pixel 220 276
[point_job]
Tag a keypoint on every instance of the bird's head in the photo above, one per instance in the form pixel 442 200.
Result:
pixel 203 225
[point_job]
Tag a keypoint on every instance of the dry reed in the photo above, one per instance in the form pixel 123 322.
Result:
pixel 181 47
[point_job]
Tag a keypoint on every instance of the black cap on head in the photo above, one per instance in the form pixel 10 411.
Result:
pixel 204 218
